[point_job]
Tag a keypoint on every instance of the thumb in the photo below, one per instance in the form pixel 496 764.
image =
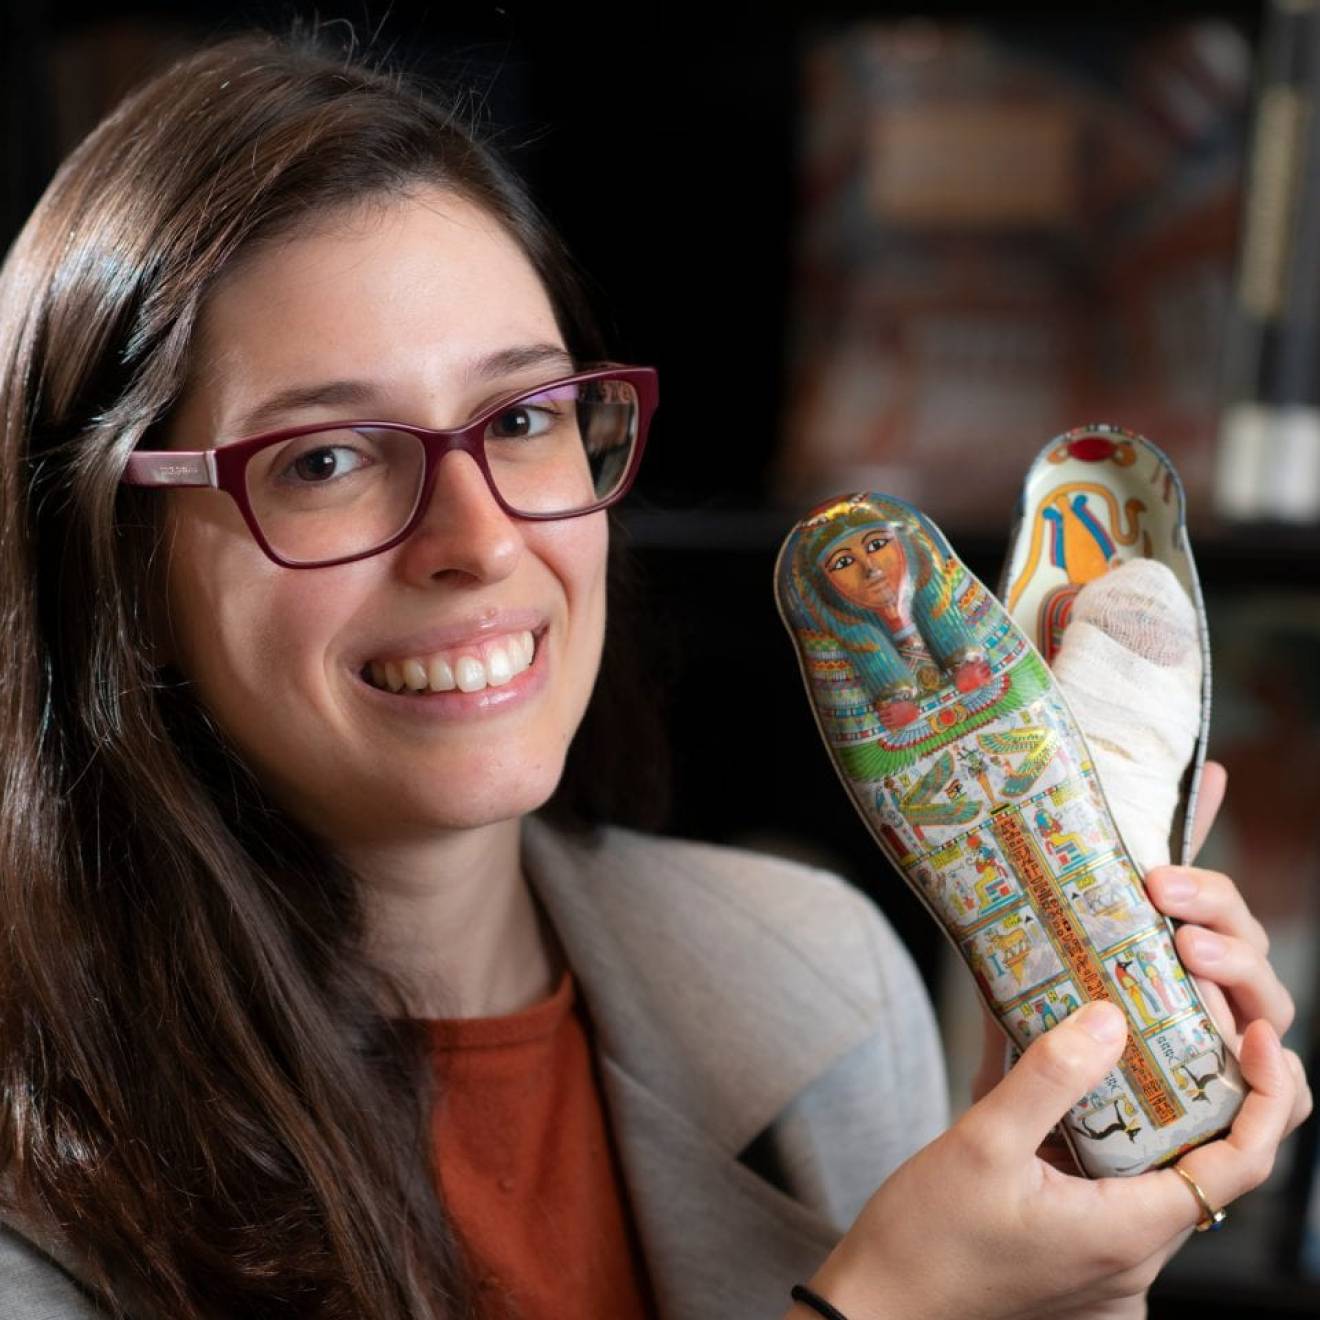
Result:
pixel 1057 1069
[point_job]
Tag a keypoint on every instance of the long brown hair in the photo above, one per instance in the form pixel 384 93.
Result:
pixel 206 1085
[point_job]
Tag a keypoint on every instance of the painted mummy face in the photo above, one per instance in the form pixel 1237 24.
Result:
pixel 868 568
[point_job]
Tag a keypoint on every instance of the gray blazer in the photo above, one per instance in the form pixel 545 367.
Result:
pixel 768 1054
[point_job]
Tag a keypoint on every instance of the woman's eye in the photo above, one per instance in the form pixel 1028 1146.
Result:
pixel 843 561
pixel 520 423
pixel 877 543
pixel 323 463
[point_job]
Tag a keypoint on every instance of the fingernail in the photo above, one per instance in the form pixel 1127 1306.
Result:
pixel 1102 1021
pixel 1177 885
pixel 1208 945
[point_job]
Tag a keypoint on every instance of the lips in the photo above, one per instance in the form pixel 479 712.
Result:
pixel 467 667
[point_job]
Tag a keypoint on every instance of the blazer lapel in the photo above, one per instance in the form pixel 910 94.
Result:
pixel 719 1240
pixel 707 1023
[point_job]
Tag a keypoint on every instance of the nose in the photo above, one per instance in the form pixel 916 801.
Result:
pixel 463 533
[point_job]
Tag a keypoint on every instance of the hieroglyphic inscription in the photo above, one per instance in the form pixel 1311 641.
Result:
pixel 1160 1104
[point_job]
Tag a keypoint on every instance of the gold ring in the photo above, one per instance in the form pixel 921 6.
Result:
pixel 1213 1218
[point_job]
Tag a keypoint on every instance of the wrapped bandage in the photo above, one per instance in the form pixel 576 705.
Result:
pixel 1129 666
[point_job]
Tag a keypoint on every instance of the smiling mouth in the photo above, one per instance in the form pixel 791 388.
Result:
pixel 468 668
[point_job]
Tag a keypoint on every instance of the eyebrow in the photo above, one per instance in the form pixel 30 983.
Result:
pixel 361 393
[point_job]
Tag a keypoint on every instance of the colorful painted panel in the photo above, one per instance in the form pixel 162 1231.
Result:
pixel 947 731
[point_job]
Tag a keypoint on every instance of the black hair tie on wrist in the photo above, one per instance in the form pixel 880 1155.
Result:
pixel 801 1293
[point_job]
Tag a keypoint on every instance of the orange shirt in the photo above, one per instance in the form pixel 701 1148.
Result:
pixel 528 1169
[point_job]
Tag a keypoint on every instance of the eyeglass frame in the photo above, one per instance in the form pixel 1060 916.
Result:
pixel 224 467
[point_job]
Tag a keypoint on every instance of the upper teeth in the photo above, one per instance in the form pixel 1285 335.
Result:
pixel 469 669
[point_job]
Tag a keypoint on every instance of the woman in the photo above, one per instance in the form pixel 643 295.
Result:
pixel 305 1013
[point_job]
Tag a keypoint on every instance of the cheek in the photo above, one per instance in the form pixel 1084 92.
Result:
pixel 847 582
pixel 577 552
pixel 893 563
pixel 242 628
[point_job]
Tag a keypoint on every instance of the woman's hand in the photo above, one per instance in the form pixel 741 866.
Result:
pixel 991 1219
pixel 978 1226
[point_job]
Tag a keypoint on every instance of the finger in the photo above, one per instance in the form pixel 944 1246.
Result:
pixel 1057 1069
pixel 1221 1014
pixel 1233 1166
pixel 991 1070
pixel 1208 898
pixel 1214 780
pixel 1304 1102
pixel 1054 1150
pixel 1249 982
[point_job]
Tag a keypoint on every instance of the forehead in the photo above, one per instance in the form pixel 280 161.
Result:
pixel 389 288
pixel 853 535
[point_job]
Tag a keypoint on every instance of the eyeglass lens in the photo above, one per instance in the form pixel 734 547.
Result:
pixel 341 492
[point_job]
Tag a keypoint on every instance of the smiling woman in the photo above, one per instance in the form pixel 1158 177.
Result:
pixel 327 990
pixel 256 849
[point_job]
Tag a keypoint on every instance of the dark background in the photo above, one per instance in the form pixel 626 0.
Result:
pixel 661 139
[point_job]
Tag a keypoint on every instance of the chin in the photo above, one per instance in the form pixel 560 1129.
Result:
pixel 488 803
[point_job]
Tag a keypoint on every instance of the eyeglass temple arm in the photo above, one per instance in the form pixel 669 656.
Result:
pixel 170 468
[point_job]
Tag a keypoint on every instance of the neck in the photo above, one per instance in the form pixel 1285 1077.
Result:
pixel 455 919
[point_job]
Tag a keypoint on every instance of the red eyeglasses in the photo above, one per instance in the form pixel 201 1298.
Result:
pixel 333 492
